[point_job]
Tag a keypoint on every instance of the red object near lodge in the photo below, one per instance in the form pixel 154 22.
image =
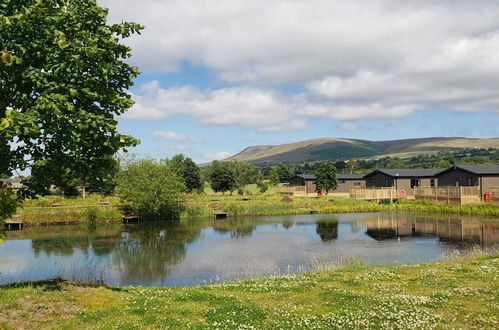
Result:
pixel 486 197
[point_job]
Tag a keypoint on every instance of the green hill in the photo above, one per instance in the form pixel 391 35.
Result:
pixel 337 148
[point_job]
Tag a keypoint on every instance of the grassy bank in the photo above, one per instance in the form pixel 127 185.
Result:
pixel 89 210
pixel 461 293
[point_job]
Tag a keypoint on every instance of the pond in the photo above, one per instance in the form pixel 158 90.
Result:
pixel 202 251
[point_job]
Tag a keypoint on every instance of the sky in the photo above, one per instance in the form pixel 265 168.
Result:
pixel 219 76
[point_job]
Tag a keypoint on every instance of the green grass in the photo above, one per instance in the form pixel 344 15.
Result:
pixel 460 293
pixel 203 205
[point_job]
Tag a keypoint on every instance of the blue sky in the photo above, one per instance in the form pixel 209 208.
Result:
pixel 217 79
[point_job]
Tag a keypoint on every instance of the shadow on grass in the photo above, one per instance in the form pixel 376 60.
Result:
pixel 58 284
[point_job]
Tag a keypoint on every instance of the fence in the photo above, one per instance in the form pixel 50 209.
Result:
pixel 295 190
pixel 375 194
pixel 494 194
pixel 449 195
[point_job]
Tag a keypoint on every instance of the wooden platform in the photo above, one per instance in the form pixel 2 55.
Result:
pixel 130 219
pixel 13 225
pixel 221 215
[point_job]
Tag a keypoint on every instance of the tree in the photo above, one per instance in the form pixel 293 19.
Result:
pixel 326 177
pixel 244 174
pixel 279 174
pixel 222 176
pixel 188 171
pixel 63 80
pixel 150 189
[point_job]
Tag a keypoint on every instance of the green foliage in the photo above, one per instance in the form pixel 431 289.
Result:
pixel 263 186
pixel 326 177
pixel 222 176
pixel 279 174
pixel 151 190
pixel 63 79
pixel 185 168
pixel 244 174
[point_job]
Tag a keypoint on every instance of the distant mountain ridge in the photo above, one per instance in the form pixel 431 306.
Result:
pixel 339 148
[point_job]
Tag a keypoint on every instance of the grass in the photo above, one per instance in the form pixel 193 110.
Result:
pixel 79 210
pixel 458 293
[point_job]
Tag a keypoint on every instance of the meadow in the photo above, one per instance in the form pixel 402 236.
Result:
pixel 461 293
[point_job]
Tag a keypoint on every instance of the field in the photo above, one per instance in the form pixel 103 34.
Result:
pixel 460 293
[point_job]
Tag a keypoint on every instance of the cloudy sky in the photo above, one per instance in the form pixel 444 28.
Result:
pixel 218 76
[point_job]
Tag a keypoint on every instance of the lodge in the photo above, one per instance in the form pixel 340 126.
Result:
pixel 485 178
pixel 305 183
pixel 403 181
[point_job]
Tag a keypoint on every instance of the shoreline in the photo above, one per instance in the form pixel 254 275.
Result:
pixel 459 293
pixel 266 205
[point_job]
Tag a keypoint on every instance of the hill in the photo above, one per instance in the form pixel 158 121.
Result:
pixel 337 148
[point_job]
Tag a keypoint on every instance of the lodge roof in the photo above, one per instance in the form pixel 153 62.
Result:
pixel 306 177
pixel 476 169
pixel 408 172
pixel 350 176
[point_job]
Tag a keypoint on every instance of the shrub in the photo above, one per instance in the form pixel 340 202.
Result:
pixel 151 189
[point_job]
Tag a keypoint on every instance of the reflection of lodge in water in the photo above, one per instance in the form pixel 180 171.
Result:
pixel 448 230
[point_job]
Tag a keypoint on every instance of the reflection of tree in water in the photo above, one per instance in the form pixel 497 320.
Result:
pixel 61 246
pixel 237 227
pixel 148 252
pixel 327 230
pixel 65 240
pixel 287 224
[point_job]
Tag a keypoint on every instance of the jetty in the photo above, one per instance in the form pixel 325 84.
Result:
pixel 13 224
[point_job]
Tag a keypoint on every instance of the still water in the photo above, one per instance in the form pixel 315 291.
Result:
pixel 202 251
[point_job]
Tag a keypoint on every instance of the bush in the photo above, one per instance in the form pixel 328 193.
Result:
pixel 151 190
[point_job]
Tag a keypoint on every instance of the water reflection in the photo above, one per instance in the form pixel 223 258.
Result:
pixel 189 252
pixel 327 230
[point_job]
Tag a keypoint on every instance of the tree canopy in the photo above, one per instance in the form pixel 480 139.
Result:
pixel 150 189
pixel 326 177
pixel 63 81
pixel 185 168
pixel 222 176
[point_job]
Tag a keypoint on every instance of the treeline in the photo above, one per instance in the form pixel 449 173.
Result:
pixel 440 160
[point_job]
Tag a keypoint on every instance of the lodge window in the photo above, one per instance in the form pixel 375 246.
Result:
pixel 469 181
pixel 356 183
pixel 415 183
pixel 432 183
pixel 342 181
pixel 373 180
pixel 387 182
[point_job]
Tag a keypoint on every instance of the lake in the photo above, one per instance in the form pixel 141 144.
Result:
pixel 201 251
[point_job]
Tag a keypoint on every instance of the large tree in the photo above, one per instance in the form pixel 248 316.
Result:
pixel 185 168
pixel 245 174
pixel 63 81
pixel 326 177
pixel 222 176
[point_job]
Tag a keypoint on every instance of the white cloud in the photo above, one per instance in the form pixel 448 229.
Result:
pixel 178 147
pixel 378 59
pixel 209 156
pixel 173 136
pixel 258 108
pixel 348 126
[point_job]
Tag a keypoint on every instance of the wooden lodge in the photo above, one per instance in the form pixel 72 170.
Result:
pixel 484 178
pixel 402 180
pixel 304 184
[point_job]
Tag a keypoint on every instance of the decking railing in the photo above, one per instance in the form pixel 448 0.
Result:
pixel 494 194
pixel 449 195
pixel 377 194
pixel 295 190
